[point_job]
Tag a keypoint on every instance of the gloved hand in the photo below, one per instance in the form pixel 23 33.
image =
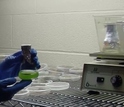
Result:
pixel 10 68
pixel 6 93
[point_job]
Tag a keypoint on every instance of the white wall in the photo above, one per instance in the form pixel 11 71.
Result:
pixel 62 31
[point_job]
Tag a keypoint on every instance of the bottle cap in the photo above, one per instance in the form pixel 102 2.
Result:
pixel 26 46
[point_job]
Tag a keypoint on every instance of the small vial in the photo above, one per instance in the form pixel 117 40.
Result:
pixel 26 48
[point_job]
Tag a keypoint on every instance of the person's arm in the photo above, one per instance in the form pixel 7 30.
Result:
pixel 9 69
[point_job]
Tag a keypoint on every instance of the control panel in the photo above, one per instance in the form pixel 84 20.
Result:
pixel 106 77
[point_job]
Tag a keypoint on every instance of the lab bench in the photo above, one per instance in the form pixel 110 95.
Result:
pixel 72 97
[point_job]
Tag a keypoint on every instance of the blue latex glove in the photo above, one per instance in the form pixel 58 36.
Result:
pixel 10 68
pixel 6 93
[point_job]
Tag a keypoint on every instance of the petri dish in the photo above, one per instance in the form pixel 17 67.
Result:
pixel 28 74
pixel 64 68
pixel 69 77
pixel 38 90
pixel 22 93
pixel 56 86
pixel 38 84
pixel 43 72
pixel 43 67
pixel 75 70
pixel 53 72
pixel 53 77
pixel 43 83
